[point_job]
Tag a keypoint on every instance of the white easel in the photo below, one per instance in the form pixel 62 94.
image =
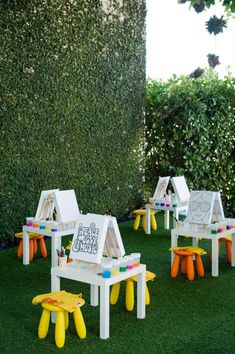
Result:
pixel 96 235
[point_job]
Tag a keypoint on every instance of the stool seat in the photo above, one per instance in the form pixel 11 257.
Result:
pixel 142 213
pixel 187 267
pixel 52 302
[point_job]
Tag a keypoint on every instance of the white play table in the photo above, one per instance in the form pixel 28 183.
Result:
pixel 72 271
pixel 55 242
pixel 196 234
pixel 176 210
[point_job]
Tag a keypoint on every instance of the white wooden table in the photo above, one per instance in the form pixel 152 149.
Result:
pixel 55 242
pixel 71 271
pixel 176 210
pixel 204 233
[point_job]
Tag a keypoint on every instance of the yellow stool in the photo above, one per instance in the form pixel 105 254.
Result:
pixel 62 317
pixel 142 212
pixel 129 299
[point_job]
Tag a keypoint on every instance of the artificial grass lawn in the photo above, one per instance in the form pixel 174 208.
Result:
pixel 183 316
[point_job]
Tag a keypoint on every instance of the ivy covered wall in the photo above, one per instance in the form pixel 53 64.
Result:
pixel 72 91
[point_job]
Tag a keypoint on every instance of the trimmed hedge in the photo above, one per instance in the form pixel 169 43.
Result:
pixel 72 96
pixel 190 131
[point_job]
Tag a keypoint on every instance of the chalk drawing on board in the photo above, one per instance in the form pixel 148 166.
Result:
pixel 95 236
pixel 161 188
pixel 181 189
pixel 200 207
pixel 46 205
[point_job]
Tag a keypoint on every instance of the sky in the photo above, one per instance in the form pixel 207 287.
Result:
pixel 178 42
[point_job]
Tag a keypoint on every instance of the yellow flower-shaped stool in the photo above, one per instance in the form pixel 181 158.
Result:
pixel 142 213
pixel 129 299
pixel 61 303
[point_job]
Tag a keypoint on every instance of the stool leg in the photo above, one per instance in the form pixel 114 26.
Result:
pixel 184 265
pixel 31 249
pixel 114 294
pixel 43 249
pixel 66 319
pixel 199 266
pixel 79 323
pixel 137 222
pixel 129 294
pixel 20 249
pixel 229 251
pixel 44 324
pixel 60 329
pixel 175 266
pixel 35 246
pixel 147 296
pixel 153 222
pixel 144 222
pixel 190 268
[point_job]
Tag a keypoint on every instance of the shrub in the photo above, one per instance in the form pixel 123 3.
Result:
pixel 72 96
pixel 190 131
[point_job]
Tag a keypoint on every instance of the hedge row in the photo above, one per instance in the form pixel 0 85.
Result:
pixel 190 130
pixel 72 95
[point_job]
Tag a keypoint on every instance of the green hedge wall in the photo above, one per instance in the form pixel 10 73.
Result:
pixel 72 95
pixel 190 131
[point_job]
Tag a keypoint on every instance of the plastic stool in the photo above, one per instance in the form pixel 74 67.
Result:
pixel 142 212
pixel 187 266
pixel 62 323
pixel 129 298
pixel 228 245
pixel 33 238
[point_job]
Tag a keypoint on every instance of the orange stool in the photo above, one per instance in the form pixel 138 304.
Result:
pixel 142 213
pixel 228 245
pixel 33 247
pixel 187 266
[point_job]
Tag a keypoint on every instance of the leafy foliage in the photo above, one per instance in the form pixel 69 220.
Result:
pixel 190 131
pixel 72 93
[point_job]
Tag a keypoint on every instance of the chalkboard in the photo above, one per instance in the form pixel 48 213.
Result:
pixel 95 236
pixel 46 205
pixel 181 189
pixel 66 206
pixel 218 211
pixel 200 208
pixel 161 188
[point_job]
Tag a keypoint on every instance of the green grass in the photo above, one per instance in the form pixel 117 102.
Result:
pixel 183 316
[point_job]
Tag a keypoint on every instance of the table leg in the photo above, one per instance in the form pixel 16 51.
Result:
pixel 104 311
pixel 233 250
pixel 174 243
pixel 94 295
pixel 176 217
pixel 166 219
pixel 147 221
pixel 55 286
pixel 215 258
pixel 55 245
pixel 141 294
pixel 25 247
pixel 195 241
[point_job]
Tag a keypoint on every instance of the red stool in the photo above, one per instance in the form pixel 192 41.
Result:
pixel 33 247
pixel 228 245
pixel 187 266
